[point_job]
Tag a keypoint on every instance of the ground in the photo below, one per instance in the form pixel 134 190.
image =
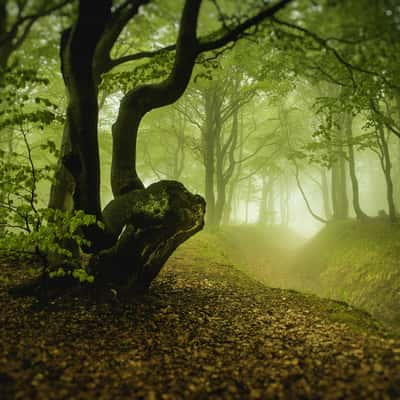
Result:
pixel 204 331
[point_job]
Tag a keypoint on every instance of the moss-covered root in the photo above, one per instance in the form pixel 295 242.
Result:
pixel 151 223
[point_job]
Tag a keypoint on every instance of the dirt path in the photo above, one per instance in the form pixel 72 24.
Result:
pixel 204 332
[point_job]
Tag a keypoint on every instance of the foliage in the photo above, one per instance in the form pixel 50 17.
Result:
pixel 125 79
pixel 33 230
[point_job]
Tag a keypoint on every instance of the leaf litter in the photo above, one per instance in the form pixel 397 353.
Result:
pixel 204 331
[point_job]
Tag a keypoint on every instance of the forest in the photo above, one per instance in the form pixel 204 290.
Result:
pixel 199 199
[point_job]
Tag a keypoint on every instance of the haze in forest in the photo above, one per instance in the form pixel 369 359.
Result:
pixel 257 143
pixel 291 126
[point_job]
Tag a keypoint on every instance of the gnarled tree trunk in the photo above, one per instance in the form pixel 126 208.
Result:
pixel 142 226
pixel 150 224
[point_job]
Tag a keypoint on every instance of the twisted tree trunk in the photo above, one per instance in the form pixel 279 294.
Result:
pixel 142 226
pixel 150 224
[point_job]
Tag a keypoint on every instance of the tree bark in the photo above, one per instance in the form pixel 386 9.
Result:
pixel 263 206
pixel 63 187
pixel 150 223
pixel 386 164
pixel 210 131
pixel 304 196
pixel 325 195
pixel 352 167
pixel 226 164
pixel 77 51
pixel 233 184
pixel 139 101
pixel 61 193
pixel 339 184
pixel 271 213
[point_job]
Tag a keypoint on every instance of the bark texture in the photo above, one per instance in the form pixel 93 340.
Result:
pixel 150 224
pixel 340 202
pixel 386 164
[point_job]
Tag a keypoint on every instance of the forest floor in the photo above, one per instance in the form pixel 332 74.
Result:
pixel 204 331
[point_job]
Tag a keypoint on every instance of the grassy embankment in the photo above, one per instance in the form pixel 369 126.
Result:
pixel 354 262
pixel 357 262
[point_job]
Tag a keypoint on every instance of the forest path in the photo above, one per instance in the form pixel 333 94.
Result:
pixel 205 331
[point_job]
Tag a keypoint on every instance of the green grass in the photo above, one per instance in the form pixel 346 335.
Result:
pixel 357 262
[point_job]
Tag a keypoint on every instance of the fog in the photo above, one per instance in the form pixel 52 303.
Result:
pixel 199 199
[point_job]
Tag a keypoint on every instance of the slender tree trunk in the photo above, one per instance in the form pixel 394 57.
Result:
pixel 352 168
pixel 233 183
pixel 325 195
pixel 219 169
pixel 344 202
pixel 210 131
pixel 339 182
pixel 339 191
pixel 263 207
pixel 271 203
pixel 227 214
pixel 303 194
pixel 248 196
pixel 287 215
pixel 209 152
pixel 179 160
pixel 387 167
pixel 283 200
pixel 62 189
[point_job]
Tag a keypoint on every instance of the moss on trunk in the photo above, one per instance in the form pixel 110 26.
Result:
pixel 150 224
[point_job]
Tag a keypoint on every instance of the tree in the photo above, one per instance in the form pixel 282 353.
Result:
pixel 213 106
pixel 142 226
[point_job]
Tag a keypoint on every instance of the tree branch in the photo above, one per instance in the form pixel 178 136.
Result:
pixel 235 33
pixel 325 44
pixel 30 19
pixel 303 194
pixel 232 36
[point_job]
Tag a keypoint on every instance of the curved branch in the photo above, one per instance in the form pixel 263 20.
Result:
pixel 231 36
pixel 386 121
pixel 138 56
pixel 303 194
pixel 235 33
pixel 325 44
pixel 145 98
pixel 120 17
pixel 30 20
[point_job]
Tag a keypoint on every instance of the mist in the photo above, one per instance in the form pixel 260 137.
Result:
pixel 199 199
